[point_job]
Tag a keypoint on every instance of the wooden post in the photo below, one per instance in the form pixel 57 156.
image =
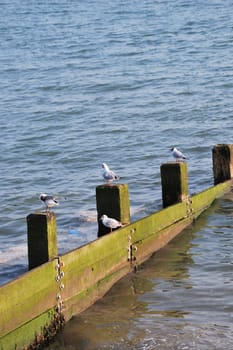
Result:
pixel 113 201
pixel 174 178
pixel 42 238
pixel 222 163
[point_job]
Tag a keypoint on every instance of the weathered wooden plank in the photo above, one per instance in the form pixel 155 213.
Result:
pixel 35 292
pixel 174 180
pixel 204 199
pixel 222 155
pixel 31 333
pixel 104 261
pixel 113 201
pixel 27 303
pixel 27 296
pixel 42 238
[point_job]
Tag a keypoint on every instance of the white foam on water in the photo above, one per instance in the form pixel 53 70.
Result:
pixel 12 255
pixel 87 215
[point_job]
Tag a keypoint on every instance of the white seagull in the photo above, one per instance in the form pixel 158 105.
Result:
pixel 177 154
pixel 108 174
pixel 49 201
pixel 110 222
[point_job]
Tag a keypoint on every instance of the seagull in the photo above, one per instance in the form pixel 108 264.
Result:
pixel 108 174
pixel 177 154
pixel 49 201
pixel 110 222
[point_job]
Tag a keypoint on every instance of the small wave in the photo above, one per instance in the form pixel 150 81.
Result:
pixel 13 254
pixel 87 216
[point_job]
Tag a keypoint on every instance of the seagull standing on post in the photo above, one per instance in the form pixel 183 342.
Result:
pixel 179 156
pixel 49 201
pixel 110 222
pixel 108 174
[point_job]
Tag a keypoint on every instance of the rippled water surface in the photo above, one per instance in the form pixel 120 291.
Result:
pixel 121 82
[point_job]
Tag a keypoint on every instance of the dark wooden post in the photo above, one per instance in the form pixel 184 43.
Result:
pixel 174 178
pixel 222 163
pixel 113 201
pixel 42 238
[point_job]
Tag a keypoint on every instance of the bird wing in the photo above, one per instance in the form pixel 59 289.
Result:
pixel 178 154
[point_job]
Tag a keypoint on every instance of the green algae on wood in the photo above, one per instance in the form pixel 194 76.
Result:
pixel 204 199
pixel 174 179
pixel 27 296
pixel 42 238
pixel 222 155
pixel 92 269
pixel 113 201
pixel 30 303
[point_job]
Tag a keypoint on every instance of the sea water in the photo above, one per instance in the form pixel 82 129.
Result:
pixel 121 82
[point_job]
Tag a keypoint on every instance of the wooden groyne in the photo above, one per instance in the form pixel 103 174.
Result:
pixel 35 306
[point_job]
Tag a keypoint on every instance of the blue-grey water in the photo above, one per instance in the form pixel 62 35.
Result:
pixel 121 82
